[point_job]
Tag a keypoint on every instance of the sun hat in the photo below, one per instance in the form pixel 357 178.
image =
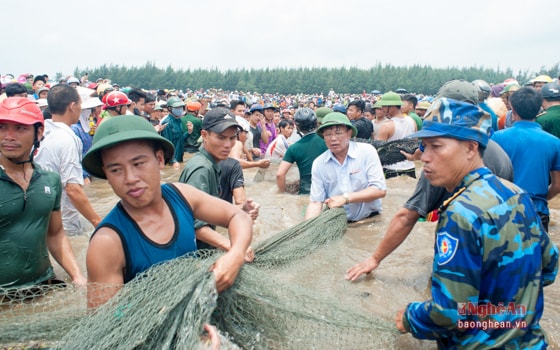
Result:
pixel 456 119
pixel 336 118
pixel 321 112
pixel 117 130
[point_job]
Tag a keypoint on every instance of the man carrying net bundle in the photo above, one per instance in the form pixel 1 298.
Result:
pixel 152 223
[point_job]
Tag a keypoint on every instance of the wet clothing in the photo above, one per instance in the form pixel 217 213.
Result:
pixel 490 249
pixel 404 126
pixel 427 198
pixel 61 152
pixel 203 172
pixel 303 153
pixel 175 133
pixel 364 126
pixel 141 252
pixel 192 143
pixel 550 120
pixel 24 222
pixel 86 139
pixel 231 178
pixel 277 148
pixel 532 169
pixel 361 169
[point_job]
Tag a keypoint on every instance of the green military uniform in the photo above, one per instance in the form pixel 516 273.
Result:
pixel 192 143
pixel 550 120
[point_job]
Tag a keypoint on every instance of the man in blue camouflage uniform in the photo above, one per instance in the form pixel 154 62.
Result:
pixel 492 254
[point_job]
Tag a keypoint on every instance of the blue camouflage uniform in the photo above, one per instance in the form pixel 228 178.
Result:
pixel 492 260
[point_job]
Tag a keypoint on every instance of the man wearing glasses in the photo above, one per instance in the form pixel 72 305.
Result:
pixel 348 174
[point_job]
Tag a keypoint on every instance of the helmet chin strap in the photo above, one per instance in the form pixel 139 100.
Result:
pixel 36 143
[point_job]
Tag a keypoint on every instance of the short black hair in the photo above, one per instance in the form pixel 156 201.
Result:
pixel 39 77
pixel 136 94
pixel 411 98
pixel 234 103
pixel 361 105
pixel 150 98
pixel 60 97
pixel 13 89
pixel 526 102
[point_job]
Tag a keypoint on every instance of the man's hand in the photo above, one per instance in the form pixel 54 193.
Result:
pixel 263 163
pixel 359 269
pixel 212 336
pixel 251 208
pixel 336 201
pixel 80 281
pixel 189 127
pixel 176 165
pixel 159 128
pixel 256 152
pixel 249 255
pixel 399 321
pixel 226 269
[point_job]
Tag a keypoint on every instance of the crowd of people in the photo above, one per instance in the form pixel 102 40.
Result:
pixel 491 158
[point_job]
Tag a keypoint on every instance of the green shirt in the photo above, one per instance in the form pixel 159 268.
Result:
pixel 24 222
pixel 203 172
pixel 550 120
pixel 417 120
pixel 304 152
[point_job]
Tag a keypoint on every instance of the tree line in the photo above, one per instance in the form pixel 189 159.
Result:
pixel 416 78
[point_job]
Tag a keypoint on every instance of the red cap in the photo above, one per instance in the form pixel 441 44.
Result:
pixel 21 110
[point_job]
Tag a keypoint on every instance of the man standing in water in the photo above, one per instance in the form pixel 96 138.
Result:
pixel 30 215
pixel 488 234
pixel 152 223
pixel 348 174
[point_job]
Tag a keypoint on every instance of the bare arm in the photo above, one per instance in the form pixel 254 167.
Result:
pixel 554 187
pixel 61 249
pixel 283 169
pixel 239 197
pixel 386 131
pixel 237 152
pixel 399 228
pixel 105 265
pixel 368 194
pixel 313 210
pixel 78 197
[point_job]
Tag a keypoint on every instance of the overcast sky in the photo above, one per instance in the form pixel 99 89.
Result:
pixel 60 35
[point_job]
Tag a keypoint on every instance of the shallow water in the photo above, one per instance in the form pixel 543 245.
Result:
pixel 402 277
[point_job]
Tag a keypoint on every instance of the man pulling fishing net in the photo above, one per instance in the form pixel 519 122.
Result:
pixel 152 223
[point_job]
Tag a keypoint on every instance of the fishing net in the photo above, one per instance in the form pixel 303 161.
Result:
pixel 167 306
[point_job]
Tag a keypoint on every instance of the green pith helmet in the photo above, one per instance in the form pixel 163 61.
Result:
pixel 390 99
pixel 336 118
pixel 322 112
pixel 175 102
pixel 120 129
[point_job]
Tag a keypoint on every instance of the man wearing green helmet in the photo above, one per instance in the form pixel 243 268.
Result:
pixel 348 174
pixel 152 222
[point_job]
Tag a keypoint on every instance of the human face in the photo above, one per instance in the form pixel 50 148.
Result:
pixel 276 118
pixel 219 145
pixel 269 114
pixel 368 115
pixel 287 131
pixel 149 107
pixel 133 171
pixel 43 94
pixel 421 112
pixel 445 162
pixel 76 109
pixel 406 107
pixel 255 118
pixel 17 139
pixel 337 139
pixel 380 113
pixel 353 112
pixel 239 110
pixel 140 104
pixel 38 84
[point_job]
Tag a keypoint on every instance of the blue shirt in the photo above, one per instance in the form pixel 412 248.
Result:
pixel 534 153
pixel 361 169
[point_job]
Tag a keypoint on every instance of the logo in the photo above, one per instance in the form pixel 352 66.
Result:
pixel 47 190
pixel 447 247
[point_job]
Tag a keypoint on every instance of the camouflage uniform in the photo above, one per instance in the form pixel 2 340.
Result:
pixel 491 249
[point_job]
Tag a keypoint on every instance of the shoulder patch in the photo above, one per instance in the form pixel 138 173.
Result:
pixel 447 247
